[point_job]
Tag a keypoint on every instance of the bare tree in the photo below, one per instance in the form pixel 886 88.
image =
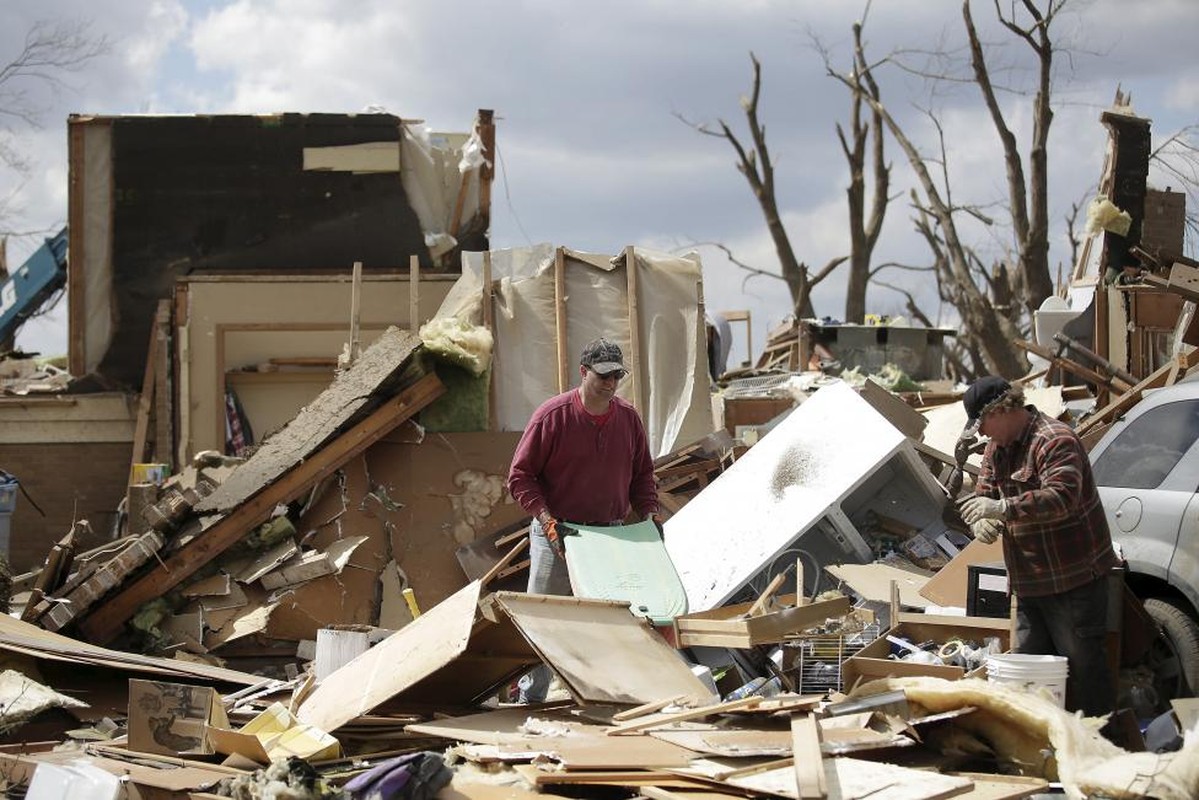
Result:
pixel 51 51
pixel 864 229
pixel 993 302
pixel 1028 198
pixel 754 163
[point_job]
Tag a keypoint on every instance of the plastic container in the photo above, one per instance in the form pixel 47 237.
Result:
pixel 1043 674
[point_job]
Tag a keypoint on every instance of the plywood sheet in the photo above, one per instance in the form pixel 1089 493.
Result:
pixel 601 651
pixel 779 489
pixel 395 664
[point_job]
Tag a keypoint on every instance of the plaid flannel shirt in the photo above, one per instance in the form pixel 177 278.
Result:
pixel 1057 536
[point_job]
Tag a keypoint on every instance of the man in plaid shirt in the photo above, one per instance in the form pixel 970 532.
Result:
pixel 1036 489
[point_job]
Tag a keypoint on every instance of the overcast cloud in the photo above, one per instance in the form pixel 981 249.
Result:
pixel 587 96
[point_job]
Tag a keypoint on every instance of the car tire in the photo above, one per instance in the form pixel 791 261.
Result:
pixel 1174 656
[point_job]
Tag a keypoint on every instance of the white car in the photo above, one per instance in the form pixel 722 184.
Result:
pixel 1147 469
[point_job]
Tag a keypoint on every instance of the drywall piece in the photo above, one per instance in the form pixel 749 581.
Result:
pixel 266 561
pixel 298 569
pixel 213 585
pixel 832 459
pixel 600 650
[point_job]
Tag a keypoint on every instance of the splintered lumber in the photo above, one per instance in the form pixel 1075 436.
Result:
pixel 503 563
pixel 647 708
pixel 1073 367
pixel 678 716
pixel 105 622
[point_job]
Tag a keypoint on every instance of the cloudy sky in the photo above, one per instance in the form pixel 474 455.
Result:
pixel 588 99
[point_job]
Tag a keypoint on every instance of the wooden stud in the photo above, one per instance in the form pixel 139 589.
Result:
pixel 503 563
pixel 355 313
pixel 105 622
pixel 647 708
pixel 560 318
pixel 637 391
pixel 414 293
pixel 764 599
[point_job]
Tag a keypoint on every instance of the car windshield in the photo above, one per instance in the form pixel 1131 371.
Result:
pixel 1144 452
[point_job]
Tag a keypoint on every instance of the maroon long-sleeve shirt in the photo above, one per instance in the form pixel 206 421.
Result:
pixel 583 468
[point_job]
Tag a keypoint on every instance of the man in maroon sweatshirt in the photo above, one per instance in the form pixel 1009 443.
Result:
pixel 584 459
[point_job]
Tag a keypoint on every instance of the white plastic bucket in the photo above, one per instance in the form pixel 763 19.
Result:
pixel 1032 672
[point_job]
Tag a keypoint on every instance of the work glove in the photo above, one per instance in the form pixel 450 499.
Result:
pixel 554 531
pixel 979 507
pixel 654 518
pixel 987 530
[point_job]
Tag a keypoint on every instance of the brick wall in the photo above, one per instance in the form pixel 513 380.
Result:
pixel 1165 218
pixel 69 481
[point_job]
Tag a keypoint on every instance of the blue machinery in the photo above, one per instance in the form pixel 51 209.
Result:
pixel 32 284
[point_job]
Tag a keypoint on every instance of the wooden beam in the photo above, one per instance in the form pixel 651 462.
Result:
pixel 637 391
pixel 1074 367
pixel 560 318
pixel 106 621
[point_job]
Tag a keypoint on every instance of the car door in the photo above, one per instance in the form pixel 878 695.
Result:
pixel 1148 474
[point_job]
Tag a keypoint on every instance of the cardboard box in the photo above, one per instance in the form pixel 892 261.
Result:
pixel 172 719
pixel 872 662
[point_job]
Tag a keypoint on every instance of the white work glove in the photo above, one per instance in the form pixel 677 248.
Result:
pixel 979 507
pixel 987 530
